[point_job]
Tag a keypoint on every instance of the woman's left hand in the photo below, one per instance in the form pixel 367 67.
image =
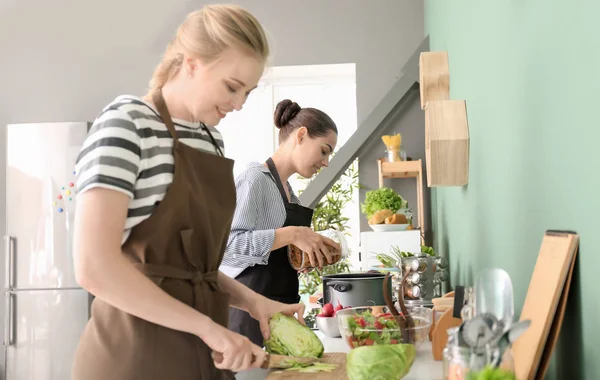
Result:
pixel 263 309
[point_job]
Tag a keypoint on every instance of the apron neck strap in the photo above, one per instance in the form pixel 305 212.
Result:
pixel 275 175
pixel 163 111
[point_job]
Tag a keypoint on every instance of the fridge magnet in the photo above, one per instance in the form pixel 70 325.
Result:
pixel 66 194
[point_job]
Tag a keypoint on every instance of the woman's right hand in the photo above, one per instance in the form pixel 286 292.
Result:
pixel 315 245
pixel 231 350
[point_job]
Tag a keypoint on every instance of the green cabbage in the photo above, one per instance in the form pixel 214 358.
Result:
pixel 382 199
pixel 492 373
pixel 289 337
pixel 382 362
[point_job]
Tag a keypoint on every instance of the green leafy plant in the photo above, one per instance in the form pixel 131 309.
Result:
pixel 391 260
pixel 383 198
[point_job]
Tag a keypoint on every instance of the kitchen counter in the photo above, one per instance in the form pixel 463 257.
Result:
pixel 424 366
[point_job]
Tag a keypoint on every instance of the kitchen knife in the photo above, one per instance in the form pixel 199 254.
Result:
pixel 275 361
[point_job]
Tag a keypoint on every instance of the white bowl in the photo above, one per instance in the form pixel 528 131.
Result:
pixel 388 227
pixel 328 326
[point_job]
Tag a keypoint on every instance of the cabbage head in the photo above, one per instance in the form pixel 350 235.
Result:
pixel 289 337
pixel 381 362
pixel 491 373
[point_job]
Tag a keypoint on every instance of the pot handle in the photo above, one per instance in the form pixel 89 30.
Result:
pixel 340 286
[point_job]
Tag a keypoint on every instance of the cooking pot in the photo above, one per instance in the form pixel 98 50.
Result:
pixel 355 289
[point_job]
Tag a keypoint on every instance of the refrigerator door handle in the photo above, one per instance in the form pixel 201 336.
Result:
pixel 9 251
pixel 9 325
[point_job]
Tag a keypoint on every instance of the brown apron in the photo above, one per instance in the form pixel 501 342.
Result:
pixel 179 247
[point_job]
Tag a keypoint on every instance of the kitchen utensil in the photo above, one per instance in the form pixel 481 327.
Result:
pixel 274 361
pixel 354 289
pixel 328 326
pixel 517 329
pixel 440 333
pixel 336 358
pixel 388 300
pixel 510 336
pixel 482 331
pixel 545 303
pixel 494 295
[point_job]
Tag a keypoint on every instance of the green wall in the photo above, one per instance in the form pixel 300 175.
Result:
pixel 530 73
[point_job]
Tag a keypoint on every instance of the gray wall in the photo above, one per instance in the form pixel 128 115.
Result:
pixel 63 60
pixel 407 120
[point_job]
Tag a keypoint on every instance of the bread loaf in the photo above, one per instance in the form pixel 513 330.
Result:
pixel 396 219
pixel 379 216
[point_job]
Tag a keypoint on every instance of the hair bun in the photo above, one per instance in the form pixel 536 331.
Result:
pixel 285 111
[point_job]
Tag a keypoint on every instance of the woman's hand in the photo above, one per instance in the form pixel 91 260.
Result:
pixel 231 350
pixel 315 245
pixel 263 309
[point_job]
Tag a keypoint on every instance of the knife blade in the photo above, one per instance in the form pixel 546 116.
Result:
pixel 273 361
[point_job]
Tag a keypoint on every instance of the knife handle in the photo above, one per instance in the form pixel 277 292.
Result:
pixel 218 358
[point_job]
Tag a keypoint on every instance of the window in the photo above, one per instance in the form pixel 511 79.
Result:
pixel 250 135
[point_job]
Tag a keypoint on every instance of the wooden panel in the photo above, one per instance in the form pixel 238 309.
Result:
pixel 434 77
pixel 552 270
pixel 338 358
pixel 447 143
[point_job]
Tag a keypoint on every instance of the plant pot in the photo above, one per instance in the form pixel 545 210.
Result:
pixel 355 289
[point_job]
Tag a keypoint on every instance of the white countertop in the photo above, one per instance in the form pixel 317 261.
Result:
pixel 424 366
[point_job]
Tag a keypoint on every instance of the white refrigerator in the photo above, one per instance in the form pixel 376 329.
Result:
pixel 44 309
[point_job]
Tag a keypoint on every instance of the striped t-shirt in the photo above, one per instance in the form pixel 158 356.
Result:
pixel 129 149
pixel 259 211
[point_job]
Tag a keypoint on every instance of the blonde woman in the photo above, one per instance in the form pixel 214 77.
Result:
pixel 154 209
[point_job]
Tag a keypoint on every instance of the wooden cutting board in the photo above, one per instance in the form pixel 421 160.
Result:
pixel 338 358
pixel 545 304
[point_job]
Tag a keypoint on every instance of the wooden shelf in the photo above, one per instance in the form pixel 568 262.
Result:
pixel 401 169
pixel 405 169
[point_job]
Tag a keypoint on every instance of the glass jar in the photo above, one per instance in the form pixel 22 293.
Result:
pixel 459 361
pixel 300 260
pixel 393 154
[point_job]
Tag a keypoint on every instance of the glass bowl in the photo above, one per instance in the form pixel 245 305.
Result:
pixel 359 326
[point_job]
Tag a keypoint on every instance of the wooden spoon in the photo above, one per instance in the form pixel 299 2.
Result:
pixel 401 318
pixel 386 296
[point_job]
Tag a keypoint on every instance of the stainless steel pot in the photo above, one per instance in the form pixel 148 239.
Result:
pixel 355 289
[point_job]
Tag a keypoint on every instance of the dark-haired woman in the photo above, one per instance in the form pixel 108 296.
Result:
pixel 269 216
